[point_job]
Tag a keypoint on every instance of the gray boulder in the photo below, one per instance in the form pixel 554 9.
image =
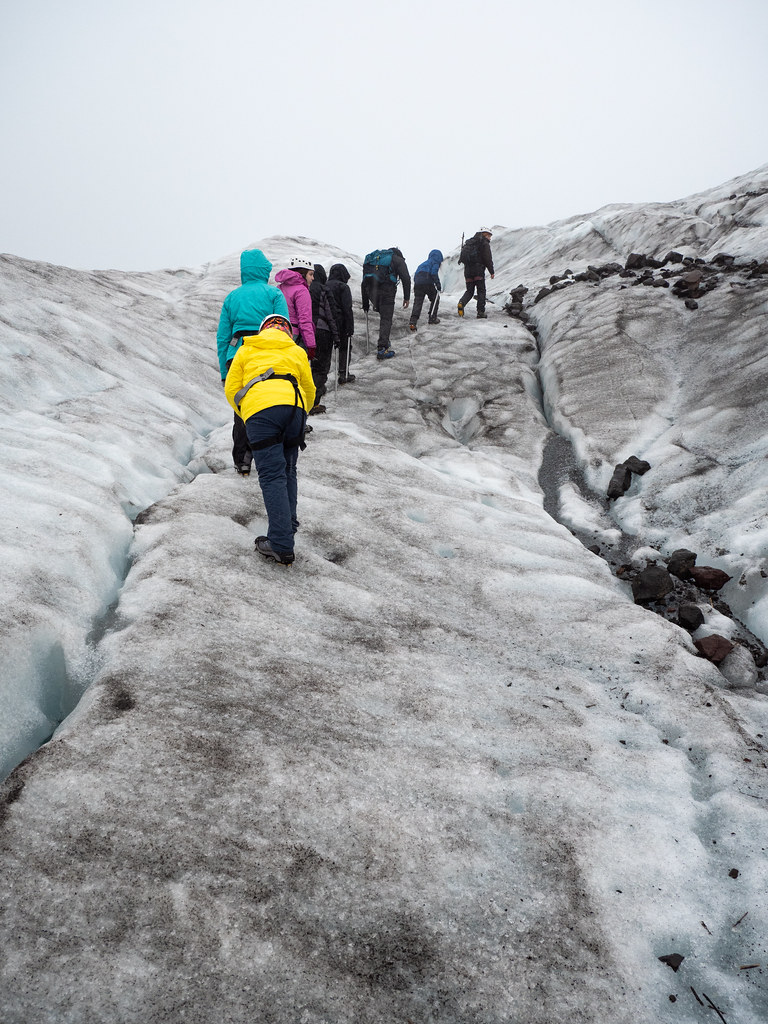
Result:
pixel 680 563
pixel 739 669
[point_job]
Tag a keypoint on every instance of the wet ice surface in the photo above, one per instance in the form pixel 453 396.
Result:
pixel 441 769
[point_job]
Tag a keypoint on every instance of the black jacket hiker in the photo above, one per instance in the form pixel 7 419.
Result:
pixel 326 330
pixel 477 258
pixel 341 293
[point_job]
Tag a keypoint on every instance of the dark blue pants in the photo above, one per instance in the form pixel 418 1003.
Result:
pixel 276 466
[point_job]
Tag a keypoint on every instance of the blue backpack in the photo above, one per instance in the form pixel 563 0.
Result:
pixel 377 267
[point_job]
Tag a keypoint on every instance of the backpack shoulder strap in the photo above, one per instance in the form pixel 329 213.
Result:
pixel 256 380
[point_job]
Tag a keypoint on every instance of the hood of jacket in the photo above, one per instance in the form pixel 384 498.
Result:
pixel 289 276
pixel 272 339
pixel 320 274
pixel 338 272
pixel 254 266
pixel 431 264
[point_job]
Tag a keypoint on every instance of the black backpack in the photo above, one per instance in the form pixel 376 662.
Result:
pixel 470 253
pixel 377 267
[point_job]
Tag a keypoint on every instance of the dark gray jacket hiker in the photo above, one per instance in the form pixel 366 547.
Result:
pixel 380 292
pixel 477 258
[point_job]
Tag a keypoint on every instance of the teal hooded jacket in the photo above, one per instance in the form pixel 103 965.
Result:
pixel 246 306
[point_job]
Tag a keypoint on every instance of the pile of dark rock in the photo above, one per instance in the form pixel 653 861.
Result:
pixel 677 591
pixel 688 277
pixel 622 476
pixel 514 303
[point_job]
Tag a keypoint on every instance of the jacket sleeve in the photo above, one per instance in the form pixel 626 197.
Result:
pixel 347 311
pixel 306 381
pixel 304 316
pixel 279 305
pixel 487 256
pixel 329 315
pixel 223 337
pixel 364 294
pixel 401 269
pixel 234 380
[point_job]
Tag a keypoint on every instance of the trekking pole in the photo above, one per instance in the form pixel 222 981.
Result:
pixel 349 354
pixel 367 334
pixel 336 375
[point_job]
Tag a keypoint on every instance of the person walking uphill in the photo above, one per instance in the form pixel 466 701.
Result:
pixel 341 293
pixel 242 312
pixel 294 283
pixel 476 256
pixel 382 269
pixel 326 333
pixel 426 282
pixel 270 386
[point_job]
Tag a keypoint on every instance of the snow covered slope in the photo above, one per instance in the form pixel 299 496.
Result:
pixel 444 768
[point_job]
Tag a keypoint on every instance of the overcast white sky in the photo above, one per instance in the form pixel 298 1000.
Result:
pixel 163 133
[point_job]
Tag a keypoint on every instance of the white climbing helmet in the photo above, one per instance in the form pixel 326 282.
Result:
pixel 485 231
pixel 299 263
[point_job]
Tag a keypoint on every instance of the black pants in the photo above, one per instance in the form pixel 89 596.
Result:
pixel 420 291
pixel 321 364
pixel 386 306
pixel 241 450
pixel 472 283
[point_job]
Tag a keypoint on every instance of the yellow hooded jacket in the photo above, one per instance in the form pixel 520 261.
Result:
pixel 276 349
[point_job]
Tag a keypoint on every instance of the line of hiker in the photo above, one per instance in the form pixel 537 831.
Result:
pixel 266 338
pixel 383 269
pixel 275 345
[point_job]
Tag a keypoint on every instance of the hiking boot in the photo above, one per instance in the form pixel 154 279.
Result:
pixel 411 327
pixel 349 379
pixel 461 309
pixel 482 316
pixel 385 353
pixel 316 410
pixel 243 468
pixel 265 548
pixel 433 320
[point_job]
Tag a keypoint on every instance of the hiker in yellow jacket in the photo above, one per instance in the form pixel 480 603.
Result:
pixel 270 386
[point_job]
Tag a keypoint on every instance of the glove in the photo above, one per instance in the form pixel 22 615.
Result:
pixel 311 352
pixel 365 308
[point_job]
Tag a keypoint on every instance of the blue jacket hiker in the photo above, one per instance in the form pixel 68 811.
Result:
pixel 243 311
pixel 426 282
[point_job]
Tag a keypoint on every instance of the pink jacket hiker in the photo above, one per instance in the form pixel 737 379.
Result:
pixel 296 292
